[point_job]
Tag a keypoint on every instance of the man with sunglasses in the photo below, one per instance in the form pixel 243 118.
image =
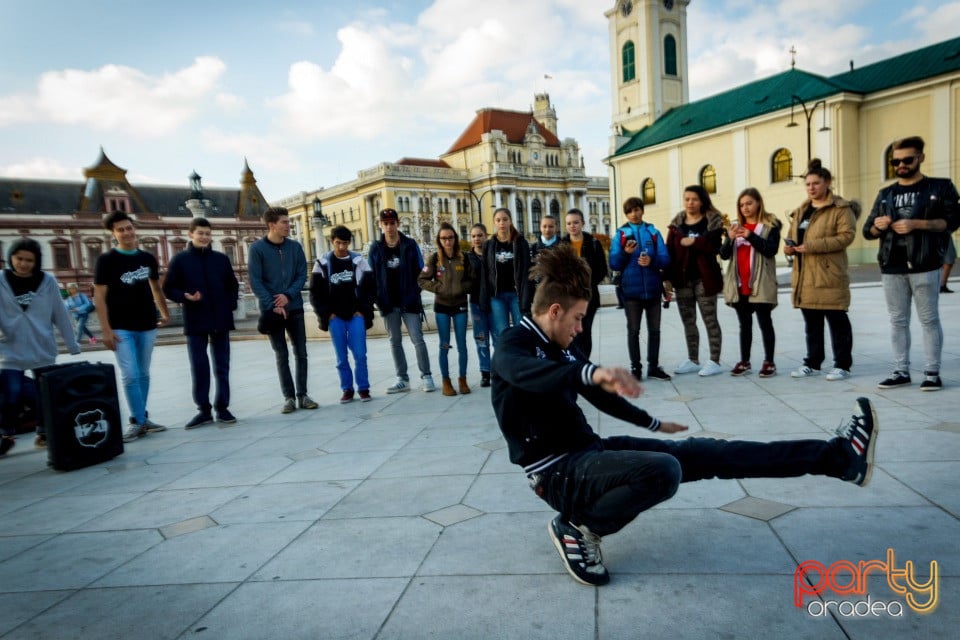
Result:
pixel 913 218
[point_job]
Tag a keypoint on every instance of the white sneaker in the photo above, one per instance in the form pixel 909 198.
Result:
pixel 399 386
pixel 428 385
pixel 688 366
pixel 804 372
pixel 711 369
pixel 838 374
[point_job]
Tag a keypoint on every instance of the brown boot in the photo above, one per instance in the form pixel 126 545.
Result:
pixel 464 389
pixel 448 388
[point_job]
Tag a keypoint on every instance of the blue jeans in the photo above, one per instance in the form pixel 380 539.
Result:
pixel 350 334
pixel 17 389
pixel 219 341
pixel 415 330
pixel 82 326
pixel 292 326
pixel 924 289
pixel 134 349
pixel 607 487
pixel 460 331
pixel 503 307
pixel 481 335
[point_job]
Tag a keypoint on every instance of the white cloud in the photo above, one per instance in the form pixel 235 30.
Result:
pixel 456 57
pixel 299 28
pixel 264 152
pixel 117 98
pixel 942 23
pixel 229 101
pixel 41 168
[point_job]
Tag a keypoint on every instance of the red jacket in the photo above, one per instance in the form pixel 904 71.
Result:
pixel 703 253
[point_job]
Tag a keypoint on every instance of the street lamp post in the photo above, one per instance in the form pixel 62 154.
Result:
pixel 319 220
pixel 479 201
pixel 808 114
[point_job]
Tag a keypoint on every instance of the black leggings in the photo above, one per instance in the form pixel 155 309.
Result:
pixel 745 310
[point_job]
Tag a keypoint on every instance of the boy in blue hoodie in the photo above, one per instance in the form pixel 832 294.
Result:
pixel 639 253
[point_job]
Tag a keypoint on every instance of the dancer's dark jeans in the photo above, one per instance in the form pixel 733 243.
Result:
pixel 606 489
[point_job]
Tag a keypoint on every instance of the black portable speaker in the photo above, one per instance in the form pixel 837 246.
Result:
pixel 80 413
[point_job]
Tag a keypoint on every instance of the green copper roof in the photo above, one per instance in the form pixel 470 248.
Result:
pixel 775 93
pixel 913 66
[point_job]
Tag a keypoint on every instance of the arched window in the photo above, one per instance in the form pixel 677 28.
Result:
pixel 781 168
pixel 518 216
pixel 554 208
pixel 708 178
pixel 670 55
pixel 889 173
pixel 536 212
pixel 629 62
pixel 649 190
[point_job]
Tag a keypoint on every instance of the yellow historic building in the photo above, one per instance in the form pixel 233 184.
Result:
pixel 762 134
pixel 503 158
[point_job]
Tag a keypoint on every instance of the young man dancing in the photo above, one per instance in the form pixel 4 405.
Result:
pixel 600 484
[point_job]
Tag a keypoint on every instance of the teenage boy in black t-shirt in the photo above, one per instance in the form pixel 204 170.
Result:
pixel 127 296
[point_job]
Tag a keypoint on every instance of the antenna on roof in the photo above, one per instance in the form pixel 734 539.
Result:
pixel 851 65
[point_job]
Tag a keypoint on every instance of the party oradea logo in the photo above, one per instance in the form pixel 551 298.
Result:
pixel 844 578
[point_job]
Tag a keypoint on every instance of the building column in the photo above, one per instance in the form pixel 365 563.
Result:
pixel 529 214
pixel 453 215
pixel 415 232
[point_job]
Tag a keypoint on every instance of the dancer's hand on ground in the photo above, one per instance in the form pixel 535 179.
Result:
pixel 671 427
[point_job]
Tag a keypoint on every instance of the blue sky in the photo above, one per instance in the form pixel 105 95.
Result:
pixel 310 93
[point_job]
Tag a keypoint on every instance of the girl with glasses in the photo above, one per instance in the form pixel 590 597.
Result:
pixel 448 276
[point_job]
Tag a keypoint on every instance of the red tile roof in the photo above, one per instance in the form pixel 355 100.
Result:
pixel 513 123
pixel 422 162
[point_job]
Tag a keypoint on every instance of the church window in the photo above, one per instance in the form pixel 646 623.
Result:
pixel 670 55
pixel 708 178
pixel 649 190
pixel 781 169
pixel 629 62
pixel 889 173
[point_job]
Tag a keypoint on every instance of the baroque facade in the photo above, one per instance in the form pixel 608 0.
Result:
pixel 763 133
pixel 503 158
pixel 66 217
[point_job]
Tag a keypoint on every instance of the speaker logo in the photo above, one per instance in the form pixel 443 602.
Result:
pixel 91 428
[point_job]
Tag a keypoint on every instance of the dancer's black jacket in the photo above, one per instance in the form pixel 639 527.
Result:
pixel 534 389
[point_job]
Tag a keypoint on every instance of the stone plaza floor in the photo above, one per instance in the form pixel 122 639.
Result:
pixel 403 518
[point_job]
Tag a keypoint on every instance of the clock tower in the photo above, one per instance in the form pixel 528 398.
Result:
pixel 648 60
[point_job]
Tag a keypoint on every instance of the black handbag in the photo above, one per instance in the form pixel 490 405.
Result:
pixel 270 322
